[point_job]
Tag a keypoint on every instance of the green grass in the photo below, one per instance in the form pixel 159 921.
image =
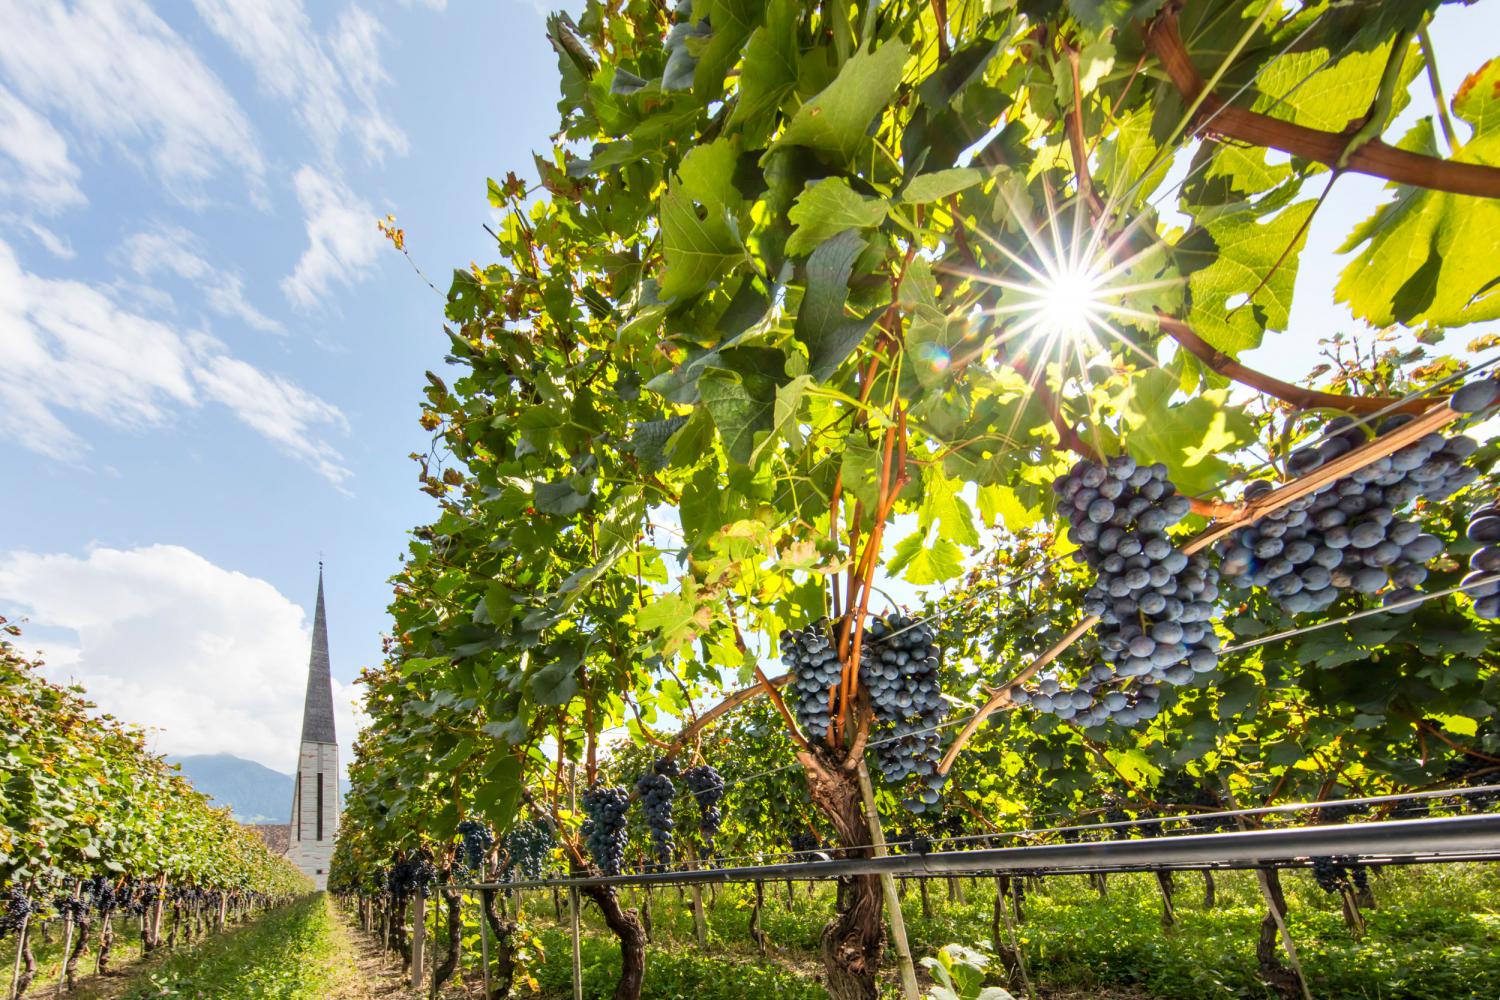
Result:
pixel 1435 935
pixel 287 954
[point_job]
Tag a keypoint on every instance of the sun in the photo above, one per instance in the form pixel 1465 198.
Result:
pixel 1068 302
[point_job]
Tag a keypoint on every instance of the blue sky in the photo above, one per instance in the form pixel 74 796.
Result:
pixel 219 357
pixel 212 361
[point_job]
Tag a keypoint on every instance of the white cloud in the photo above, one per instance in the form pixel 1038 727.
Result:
pixel 159 636
pixel 174 250
pixel 342 238
pixel 331 81
pixel 120 73
pixel 35 167
pixel 281 411
pixel 68 346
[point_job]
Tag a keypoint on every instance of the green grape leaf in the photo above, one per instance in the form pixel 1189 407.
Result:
pixel 936 186
pixel 699 227
pixel 739 412
pixel 768 73
pixel 921 562
pixel 826 208
pixel 1429 256
pixel 822 327
pixel 1245 271
pixel 835 121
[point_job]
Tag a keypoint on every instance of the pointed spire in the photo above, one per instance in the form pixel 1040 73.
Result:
pixel 317 710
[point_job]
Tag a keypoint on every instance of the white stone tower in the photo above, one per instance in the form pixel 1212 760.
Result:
pixel 315 792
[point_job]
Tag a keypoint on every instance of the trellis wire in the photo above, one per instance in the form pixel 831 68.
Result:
pixel 1428 839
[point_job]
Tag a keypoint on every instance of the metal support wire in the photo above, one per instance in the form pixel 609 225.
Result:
pixel 1455 837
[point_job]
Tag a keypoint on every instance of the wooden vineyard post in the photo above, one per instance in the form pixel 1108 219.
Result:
pixel 484 944
pixel 1015 940
pixel 15 973
pixel 888 885
pixel 62 976
pixel 573 895
pixel 418 937
pixel 700 920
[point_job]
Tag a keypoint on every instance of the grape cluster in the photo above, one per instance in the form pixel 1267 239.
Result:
pixel 527 847
pixel 1333 873
pixel 899 668
pixel 76 910
pixel 657 791
pixel 103 894
pixel 706 786
pixel 17 908
pixel 804 842
pixel 1348 535
pixel 476 843
pixel 1155 603
pixel 1484 565
pixel 1473 772
pixel 915 842
pixel 604 827
pixel 810 656
pixel 412 873
pixel 1477 396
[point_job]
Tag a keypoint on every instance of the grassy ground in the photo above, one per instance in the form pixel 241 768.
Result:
pixel 299 952
pixel 1434 935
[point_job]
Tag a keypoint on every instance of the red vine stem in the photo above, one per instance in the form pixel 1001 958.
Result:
pixel 1374 158
pixel 1307 399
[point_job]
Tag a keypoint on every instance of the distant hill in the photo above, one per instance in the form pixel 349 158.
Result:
pixel 256 793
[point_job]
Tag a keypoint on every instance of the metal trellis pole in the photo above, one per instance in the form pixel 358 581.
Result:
pixel 62 972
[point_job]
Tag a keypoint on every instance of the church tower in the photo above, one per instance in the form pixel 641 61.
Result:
pixel 315 793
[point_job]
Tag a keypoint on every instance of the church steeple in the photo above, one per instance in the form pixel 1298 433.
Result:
pixel 317 709
pixel 315 790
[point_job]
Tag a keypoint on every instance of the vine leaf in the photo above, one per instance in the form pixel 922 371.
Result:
pixel 1237 253
pixel 700 232
pixel 768 73
pixel 826 208
pixel 1188 436
pixel 731 22
pixel 822 327
pixel 1293 87
pixel 1437 250
pixel 939 184
pixel 836 120
pixel 738 411
pixel 922 562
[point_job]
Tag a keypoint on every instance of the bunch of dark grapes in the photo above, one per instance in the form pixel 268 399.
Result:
pixel 1483 580
pixel 103 894
pixel 1328 873
pixel 1349 536
pixel 1155 603
pixel 412 874
pixel 1474 772
pixel 68 908
pixel 803 843
pixel 657 792
pixel 1335 873
pixel 17 907
pixel 915 842
pixel 706 786
pixel 810 656
pixel 899 668
pixel 476 843
pixel 604 828
pixel 527 847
